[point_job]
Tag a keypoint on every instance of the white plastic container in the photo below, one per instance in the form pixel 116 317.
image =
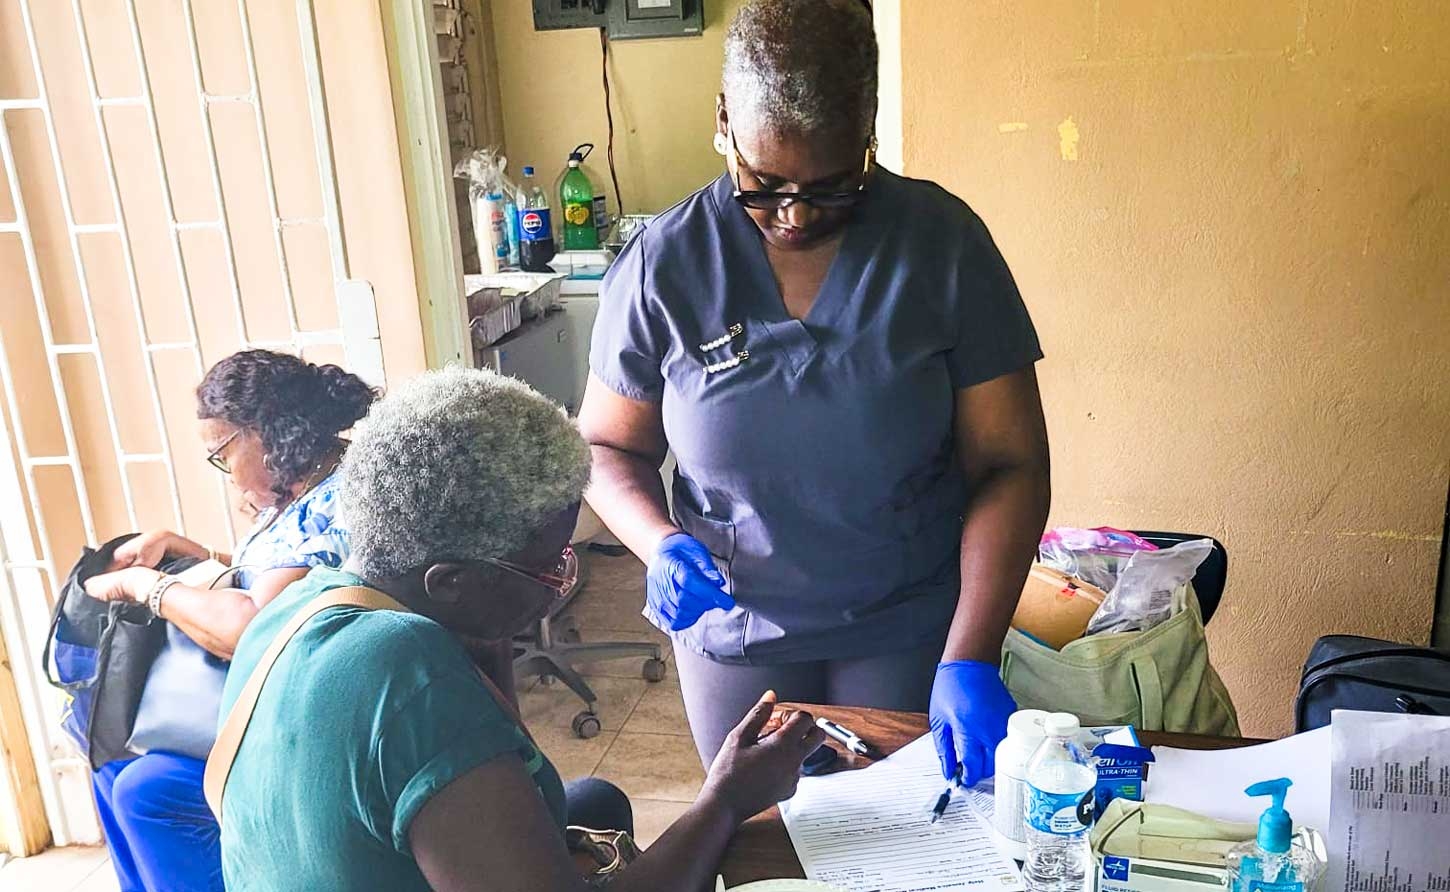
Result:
pixel 1024 734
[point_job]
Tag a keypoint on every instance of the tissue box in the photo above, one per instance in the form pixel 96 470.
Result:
pixel 1117 874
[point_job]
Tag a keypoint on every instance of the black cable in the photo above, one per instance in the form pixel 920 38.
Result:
pixel 609 116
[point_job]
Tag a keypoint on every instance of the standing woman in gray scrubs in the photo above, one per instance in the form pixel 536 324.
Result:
pixel 841 363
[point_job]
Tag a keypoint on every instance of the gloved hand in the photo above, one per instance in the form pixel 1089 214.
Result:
pixel 682 582
pixel 969 711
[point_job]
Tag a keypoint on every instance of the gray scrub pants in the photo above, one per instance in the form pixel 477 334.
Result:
pixel 717 695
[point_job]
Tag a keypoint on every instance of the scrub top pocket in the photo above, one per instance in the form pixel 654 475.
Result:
pixel 721 633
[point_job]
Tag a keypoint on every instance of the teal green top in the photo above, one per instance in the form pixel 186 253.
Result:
pixel 366 715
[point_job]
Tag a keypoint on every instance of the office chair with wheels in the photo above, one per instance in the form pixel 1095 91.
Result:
pixel 552 652
pixel 1212 575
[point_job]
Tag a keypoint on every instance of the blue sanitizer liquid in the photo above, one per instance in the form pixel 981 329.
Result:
pixel 1059 811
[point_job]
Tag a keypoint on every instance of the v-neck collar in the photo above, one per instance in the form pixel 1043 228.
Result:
pixel 836 286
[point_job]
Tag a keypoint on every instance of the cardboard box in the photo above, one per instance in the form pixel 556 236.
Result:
pixel 1055 608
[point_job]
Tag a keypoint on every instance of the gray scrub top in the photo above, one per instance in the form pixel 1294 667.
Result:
pixel 820 470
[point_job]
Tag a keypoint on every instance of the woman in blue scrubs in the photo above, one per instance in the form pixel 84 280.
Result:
pixel 842 366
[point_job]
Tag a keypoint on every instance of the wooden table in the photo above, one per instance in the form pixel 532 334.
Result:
pixel 761 848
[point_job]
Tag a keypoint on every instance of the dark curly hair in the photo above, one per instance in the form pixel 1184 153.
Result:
pixel 297 408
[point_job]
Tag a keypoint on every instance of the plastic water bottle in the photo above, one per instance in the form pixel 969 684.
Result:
pixel 1060 782
pixel 536 229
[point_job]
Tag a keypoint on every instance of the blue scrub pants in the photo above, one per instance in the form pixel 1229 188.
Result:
pixel 162 835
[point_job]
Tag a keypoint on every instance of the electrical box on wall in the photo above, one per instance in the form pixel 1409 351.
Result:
pixel 623 19
pixel 630 19
pixel 555 15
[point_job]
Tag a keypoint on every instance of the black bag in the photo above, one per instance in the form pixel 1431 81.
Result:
pixel 1351 672
pixel 100 653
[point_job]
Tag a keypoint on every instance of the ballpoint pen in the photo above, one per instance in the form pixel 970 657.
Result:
pixel 945 798
pixel 846 736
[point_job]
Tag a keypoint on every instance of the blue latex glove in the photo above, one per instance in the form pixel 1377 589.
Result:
pixel 682 583
pixel 969 711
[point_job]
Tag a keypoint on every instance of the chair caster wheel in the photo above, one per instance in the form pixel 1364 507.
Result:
pixel 586 725
pixel 654 670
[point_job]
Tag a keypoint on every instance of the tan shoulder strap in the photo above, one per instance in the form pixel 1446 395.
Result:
pixel 229 739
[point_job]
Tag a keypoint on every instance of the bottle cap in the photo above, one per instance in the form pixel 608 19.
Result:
pixel 528 170
pixel 1027 724
pixel 580 152
pixel 1061 724
pixel 1276 828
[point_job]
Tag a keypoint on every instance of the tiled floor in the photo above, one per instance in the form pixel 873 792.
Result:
pixel 645 747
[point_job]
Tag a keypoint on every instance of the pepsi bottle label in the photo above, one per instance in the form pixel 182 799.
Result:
pixel 534 225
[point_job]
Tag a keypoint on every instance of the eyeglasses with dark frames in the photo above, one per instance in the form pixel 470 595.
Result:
pixel 214 458
pixel 561 579
pixel 772 200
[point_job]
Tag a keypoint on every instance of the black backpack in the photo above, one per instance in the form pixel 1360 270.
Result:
pixel 1351 672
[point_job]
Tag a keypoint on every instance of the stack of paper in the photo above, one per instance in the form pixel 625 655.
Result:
pixel 1212 782
pixel 1391 803
pixel 870 831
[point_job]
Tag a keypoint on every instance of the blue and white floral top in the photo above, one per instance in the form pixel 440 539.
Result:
pixel 307 533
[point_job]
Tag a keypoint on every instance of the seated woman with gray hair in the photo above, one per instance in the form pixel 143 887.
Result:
pixel 385 749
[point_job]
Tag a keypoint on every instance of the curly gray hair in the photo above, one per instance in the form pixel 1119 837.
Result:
pixel 807 66
pixel 456 464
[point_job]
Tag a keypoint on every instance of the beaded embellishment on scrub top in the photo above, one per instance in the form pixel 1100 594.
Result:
pixel 731 333
pixel 726 364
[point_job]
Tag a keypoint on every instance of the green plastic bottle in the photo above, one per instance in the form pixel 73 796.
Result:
pixel 576 197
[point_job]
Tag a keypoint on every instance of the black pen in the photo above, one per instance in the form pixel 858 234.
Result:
pixel 945 798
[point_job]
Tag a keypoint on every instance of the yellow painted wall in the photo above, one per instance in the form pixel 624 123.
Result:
pixel 1229 219
pixel 664 104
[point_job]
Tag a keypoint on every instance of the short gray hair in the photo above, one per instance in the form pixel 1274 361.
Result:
pixel 455 465
pixel 807 66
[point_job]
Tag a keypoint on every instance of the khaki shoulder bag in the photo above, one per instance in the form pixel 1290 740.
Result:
pixel 1158 680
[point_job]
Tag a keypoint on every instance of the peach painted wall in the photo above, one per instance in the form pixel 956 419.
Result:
pixel 1229 220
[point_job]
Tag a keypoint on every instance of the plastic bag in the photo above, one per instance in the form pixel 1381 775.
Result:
pixel 1139 577
pixel 1096 556
pixel 1143 597
pixel 491 197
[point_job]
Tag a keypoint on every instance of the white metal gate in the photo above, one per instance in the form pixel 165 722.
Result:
pixel 31 568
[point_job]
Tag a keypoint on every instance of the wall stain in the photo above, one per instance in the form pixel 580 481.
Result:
pixel 1067 137
pixel 1388 535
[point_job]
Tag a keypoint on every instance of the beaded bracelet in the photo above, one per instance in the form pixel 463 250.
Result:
pixel 153 600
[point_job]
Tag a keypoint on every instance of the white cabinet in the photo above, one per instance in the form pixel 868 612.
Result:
pixel 550 353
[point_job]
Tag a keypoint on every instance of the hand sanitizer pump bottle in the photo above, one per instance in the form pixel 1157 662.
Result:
pixel 1275 861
